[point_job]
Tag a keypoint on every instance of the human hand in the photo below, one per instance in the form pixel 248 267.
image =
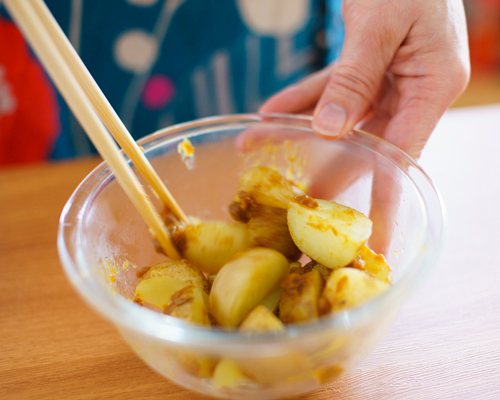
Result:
pixel 403 64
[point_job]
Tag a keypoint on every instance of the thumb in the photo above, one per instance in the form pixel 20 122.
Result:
pixel 355 81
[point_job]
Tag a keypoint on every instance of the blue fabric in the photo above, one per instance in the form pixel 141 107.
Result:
pixel 210 59
pixel 335 31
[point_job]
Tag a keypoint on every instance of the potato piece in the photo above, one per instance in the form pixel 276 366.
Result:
pixel 272 300
pixel 177 269
pixel 227 373
pixel 299 300
pixel 195 364
pixel 240 208
pixel 349 287
pixel 276 369
pixel 188 304
pixel 158 290
pixel 260 319
pixel 261 202
pixel 244 282
pixel 159 282
pixel 210 244
pixel 267 227
pixel 375 264
pixel 331 350
pixel 329 233
pixel 266 186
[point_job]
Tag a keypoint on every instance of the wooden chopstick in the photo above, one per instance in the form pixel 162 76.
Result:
pixel 49 54
pixel 105 110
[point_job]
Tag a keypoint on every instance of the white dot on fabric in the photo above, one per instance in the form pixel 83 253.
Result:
pixel 142 3
pixel 274 17
pixel 135 51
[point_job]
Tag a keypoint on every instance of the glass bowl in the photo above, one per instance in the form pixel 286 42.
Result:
pixel 102 241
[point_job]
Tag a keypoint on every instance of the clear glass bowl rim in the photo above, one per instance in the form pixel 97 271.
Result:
pixel 124 313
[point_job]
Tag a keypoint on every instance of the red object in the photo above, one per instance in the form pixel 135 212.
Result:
pixel 29 113
pixel 484 34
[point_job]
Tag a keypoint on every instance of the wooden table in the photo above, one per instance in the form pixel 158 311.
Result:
pixel 445 343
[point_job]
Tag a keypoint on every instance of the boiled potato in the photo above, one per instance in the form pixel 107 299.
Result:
pixel 177 269
pixel 331 350
pixel 262 199
pixel 244 282
pixel 301 292
pixel 260 319
pixel 266 186
pixel 375 264
pixel 329 233
pixel 194 364
pixel 158 290
pixel 227 373
pixel 267 227
pixel 272 300
pixel 285 366
pixel 210 244
pixel 349 287
pixel 274 369
pixel 158 283
pixel 189 304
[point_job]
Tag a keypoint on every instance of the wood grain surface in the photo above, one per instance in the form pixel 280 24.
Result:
pixel 445 343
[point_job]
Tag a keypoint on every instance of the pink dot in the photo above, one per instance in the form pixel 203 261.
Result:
pixel 158 92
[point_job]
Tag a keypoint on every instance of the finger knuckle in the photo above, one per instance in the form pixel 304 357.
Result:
pixel 354 80
pixel 457 75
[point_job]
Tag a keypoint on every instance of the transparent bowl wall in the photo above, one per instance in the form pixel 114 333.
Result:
pixel 100 231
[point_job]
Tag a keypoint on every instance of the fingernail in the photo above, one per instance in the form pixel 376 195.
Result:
pixel 331 120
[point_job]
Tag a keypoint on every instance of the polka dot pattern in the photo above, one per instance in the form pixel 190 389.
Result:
pixel 158 92
pixel 135 51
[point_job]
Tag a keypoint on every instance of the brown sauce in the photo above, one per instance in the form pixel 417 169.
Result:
pixel 306 201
